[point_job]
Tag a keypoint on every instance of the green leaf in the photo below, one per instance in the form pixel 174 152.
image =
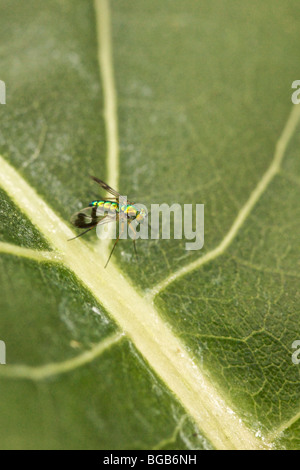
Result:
pixel 16 228
pixel 174 101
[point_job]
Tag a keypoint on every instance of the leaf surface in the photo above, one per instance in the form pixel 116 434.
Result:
pixel 170 102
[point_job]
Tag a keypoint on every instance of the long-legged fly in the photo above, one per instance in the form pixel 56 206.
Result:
pixel 104 211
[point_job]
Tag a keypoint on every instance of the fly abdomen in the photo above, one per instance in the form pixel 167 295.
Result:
pixel 107 207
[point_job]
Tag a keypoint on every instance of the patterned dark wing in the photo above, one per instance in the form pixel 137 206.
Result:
pixel 86 218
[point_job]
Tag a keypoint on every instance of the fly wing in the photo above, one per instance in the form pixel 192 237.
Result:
pixel 106 187
pixel 86 218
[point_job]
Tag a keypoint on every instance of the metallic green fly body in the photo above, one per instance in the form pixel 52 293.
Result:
pixel 104 211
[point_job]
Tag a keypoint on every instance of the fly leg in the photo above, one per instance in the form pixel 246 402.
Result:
pixel 134 237
pixel 120 234
pixel 82 233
